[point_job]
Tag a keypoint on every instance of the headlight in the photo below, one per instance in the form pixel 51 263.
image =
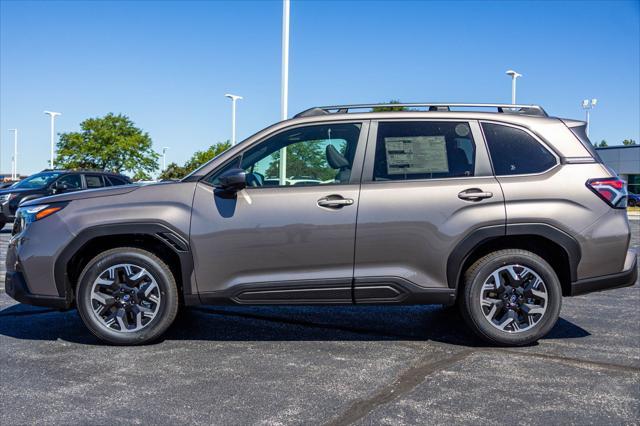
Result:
pixel 6 197
pixel 33 213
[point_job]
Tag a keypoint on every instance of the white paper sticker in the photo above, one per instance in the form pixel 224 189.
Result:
pixel 416 154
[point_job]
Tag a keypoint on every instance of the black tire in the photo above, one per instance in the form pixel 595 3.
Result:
pixel 470 297
pixel 168 291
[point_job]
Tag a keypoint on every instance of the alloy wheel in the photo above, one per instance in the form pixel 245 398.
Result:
pixel 514 298
pixel 125 298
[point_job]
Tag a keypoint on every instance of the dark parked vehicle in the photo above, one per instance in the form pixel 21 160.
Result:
pixel 634 200
pixel 503 213
pixel 52 182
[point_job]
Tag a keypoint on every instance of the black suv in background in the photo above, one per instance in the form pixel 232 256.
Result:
pixel 51 182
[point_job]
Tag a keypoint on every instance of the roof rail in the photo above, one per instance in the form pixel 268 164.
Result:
pixel 536 110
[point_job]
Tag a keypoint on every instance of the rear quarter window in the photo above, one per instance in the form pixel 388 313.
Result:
pixel 515 152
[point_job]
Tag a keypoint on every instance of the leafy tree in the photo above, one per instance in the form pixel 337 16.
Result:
pixel 628 142
pixel 112 142
pixel 603 144
pixel 306 158
pixel 174 171
pixel 390 108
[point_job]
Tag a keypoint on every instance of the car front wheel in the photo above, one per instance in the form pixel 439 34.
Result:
pixel 127 296
pixel 511 297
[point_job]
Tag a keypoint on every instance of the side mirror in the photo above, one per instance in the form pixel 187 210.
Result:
pixel 232 180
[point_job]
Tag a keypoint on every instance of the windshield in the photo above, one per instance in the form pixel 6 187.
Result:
pixel 37 181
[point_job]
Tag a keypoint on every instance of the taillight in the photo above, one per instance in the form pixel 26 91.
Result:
pixel 612 190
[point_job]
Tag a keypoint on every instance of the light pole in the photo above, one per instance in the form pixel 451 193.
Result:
pixel 233 98
pixel 14 161
pixel 53 116
pixel 164 158
pixel 514 75
pixel 587 105
pixel 284 99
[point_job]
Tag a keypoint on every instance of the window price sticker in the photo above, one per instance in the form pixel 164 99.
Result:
pixel 416 154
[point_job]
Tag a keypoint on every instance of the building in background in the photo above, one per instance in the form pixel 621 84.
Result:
pixel 625 160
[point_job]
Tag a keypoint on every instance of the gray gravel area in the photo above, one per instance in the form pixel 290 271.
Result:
pixel 323 365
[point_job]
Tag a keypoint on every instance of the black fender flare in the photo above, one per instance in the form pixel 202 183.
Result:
pixel 479 236
pixel 160 231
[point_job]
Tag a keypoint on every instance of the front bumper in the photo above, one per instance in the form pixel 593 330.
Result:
pixel 626 278
pixel 30 264
pixel 16 287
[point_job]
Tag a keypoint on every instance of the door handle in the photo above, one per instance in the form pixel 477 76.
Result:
pixel 474 194
pixel 334 201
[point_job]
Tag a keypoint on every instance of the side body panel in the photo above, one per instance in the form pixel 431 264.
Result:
pixel 272 236
pixel 559 197
pixel 47 239
pixel 277 244
pixel 407 229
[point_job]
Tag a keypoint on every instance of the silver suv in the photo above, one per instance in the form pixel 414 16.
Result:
pixel 499 209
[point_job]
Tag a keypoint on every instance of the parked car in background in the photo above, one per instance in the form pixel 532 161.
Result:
pixel 634 200
pixel 503 213
pixel 52 182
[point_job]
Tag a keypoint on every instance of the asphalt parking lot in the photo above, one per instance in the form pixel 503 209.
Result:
pixel 318 365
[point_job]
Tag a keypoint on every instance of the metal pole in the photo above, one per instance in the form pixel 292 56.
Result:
pixel 285 84
pixel 15 153
pixel 233 121
pixel 513 90
pixel 587 122
pixel 53 116
pixel 14 159
pixel 53 132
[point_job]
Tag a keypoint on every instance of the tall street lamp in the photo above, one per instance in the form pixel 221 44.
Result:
pixel 284 98
pixel 587 105
pixel 233 98
pixel 514 75
pixel 14 161
pixel 164 158
pixel 53 116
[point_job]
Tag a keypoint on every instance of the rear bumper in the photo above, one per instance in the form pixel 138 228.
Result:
pixel 16 287
pixel 626 278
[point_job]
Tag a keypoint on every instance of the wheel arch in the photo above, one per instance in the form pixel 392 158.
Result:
pixel 157 238
pixel 557 247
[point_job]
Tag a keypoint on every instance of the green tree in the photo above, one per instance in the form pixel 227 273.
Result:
pixel 112 143
pixel 306 158
pixel 628 142
pixel 390 108
pixel 603 144
pixel 174 171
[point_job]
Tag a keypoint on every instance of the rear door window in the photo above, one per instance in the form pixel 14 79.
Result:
pixel 423 150
pixel 94 181
pixel 515 152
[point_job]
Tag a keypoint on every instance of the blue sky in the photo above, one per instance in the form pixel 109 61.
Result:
pixel 168 64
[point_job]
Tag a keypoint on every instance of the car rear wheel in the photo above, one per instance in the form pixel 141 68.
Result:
pixel 511 297
pixel 127 296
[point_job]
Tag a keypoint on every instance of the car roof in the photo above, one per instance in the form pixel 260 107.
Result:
pixel 64 171
pixel 521 114
pixel 532 117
